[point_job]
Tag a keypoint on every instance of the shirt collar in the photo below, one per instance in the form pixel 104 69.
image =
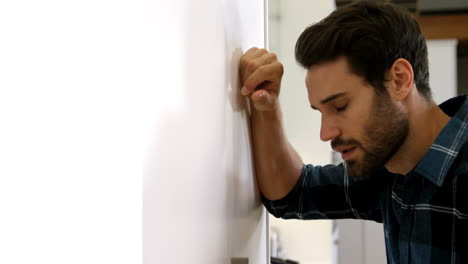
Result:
pixel 439 158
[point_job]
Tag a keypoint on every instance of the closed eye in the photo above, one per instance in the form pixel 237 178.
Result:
pixel 340 109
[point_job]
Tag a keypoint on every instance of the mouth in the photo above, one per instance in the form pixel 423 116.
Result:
pixel 346 153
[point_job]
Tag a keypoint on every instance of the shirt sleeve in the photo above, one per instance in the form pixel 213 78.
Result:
pixel 327 192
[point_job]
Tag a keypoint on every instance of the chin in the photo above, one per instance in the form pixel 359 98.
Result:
pixel 357 170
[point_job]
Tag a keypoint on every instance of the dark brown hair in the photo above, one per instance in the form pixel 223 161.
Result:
pixel 371 35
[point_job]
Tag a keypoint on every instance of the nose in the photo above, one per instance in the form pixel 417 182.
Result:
pixel 329 129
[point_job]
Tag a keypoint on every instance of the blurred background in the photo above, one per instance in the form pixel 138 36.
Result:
pixel 445 26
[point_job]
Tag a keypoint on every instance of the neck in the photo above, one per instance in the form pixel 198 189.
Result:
pixel 426 120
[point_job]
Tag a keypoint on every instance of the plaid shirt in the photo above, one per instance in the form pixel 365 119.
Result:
pixel 424 213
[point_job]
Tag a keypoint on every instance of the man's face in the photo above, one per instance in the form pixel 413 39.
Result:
pixel 367 128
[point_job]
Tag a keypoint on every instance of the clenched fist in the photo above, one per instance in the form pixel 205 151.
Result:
pixel 260 74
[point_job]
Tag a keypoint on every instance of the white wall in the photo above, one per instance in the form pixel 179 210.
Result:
pixel 94 95
pixel 442 55
pixel 301 122
pixel 306 241
pixel 200 200
pixel 72 76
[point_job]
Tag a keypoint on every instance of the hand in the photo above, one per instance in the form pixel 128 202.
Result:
pixel 260 73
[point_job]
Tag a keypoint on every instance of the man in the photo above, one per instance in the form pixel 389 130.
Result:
pixel 405 158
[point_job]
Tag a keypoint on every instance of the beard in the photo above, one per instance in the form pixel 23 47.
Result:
pixel 384 133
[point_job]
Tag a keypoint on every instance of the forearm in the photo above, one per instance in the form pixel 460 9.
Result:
pixel 277 164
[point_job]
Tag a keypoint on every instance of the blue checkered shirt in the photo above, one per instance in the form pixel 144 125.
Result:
pixel 424 213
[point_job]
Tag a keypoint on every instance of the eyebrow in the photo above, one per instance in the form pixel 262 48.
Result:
pixel 329 98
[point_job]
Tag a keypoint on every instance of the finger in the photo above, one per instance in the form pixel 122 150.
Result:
pixel 251 51
pixel 250 66
pixel 259 52
pixel 271 72
pixel 263 100
pixel 263 59
pixel 259 97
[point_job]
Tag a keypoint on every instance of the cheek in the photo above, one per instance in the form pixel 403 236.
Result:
pixel 367 114
pixel 355 125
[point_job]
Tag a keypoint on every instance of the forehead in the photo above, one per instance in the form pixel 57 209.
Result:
pixel 332 77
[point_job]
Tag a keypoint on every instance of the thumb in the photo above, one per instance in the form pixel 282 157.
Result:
pixel 263 100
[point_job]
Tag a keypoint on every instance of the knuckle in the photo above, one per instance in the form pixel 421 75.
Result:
pixel 273 56
pixel 252 66
pixel 244 61
pixel 252 49
pixel 280 67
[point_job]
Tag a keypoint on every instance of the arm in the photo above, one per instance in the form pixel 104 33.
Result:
pixel 277 164
pixel 327 192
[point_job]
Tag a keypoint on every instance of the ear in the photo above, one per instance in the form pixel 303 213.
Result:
pixel 400 79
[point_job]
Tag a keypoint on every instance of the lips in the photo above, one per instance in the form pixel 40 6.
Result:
pixel 346 152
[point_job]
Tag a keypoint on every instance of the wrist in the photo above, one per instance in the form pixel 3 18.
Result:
pixel 267 115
